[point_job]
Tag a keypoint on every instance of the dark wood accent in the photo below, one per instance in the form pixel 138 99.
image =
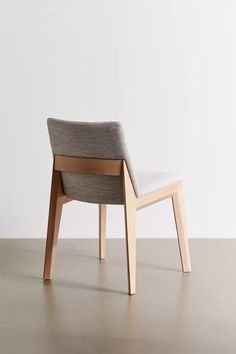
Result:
pixel 100 167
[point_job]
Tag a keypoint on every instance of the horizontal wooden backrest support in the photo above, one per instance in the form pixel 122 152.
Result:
pixel 90 166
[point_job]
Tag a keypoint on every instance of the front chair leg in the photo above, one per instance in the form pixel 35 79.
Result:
pixel 130 216
pixel 130 227
pixel 54 217
pixel 178 207
pixel 102 230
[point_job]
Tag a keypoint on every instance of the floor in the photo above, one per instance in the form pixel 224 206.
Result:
pixel 86 309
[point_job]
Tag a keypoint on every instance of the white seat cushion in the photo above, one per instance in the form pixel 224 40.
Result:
pixel 149 181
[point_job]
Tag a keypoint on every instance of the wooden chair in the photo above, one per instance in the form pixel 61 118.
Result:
pixel 91 164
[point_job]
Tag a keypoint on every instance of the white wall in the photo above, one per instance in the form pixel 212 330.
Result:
pixel 165 69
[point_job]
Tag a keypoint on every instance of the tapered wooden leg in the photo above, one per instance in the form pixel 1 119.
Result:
pixel 178 207
pixel 102 230
pixel 55 209
pixel 130 227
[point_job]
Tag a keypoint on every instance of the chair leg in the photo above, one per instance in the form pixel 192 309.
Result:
pixel 130 216
pixel 178 207
pixel 54 217
pixel 130 227
pixel 102 230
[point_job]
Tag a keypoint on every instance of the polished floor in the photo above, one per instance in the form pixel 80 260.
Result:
pixel 86 309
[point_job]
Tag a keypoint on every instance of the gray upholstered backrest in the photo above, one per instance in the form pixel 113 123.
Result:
pixel 103 140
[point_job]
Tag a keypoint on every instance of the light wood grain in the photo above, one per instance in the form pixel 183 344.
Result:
pixel 102 230
pixel 178 207
pixel 157 195
pixel 130 227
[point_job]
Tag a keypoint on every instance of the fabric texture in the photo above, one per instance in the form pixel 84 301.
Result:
pixel 104 140
pixel 92 140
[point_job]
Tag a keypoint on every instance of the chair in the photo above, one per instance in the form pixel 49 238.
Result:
pixel 91 164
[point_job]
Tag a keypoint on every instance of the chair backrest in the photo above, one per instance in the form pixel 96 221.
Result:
pixel 104 141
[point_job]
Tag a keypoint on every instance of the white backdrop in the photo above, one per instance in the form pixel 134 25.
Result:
pixel 165 69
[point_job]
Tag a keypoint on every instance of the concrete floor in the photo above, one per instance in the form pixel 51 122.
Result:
pixel 86 309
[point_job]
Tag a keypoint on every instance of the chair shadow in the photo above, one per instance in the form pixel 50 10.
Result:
pixel 158 267
pixel 67 284
pixel 85 256
pixel 64 284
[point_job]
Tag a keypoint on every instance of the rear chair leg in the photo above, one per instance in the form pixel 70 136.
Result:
pixel 102 230
pixel 178 207
pixel 54 217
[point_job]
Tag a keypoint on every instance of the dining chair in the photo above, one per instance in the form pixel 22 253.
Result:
pixel 91 164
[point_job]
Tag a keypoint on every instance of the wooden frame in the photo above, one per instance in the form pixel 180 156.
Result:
pixel 102 230
pixel 132 203
pixel 90 166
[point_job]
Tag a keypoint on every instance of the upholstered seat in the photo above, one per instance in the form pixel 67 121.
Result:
pixel 150 181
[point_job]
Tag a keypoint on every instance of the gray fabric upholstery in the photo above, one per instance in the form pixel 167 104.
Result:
pixel 93 140
pixel 100 140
